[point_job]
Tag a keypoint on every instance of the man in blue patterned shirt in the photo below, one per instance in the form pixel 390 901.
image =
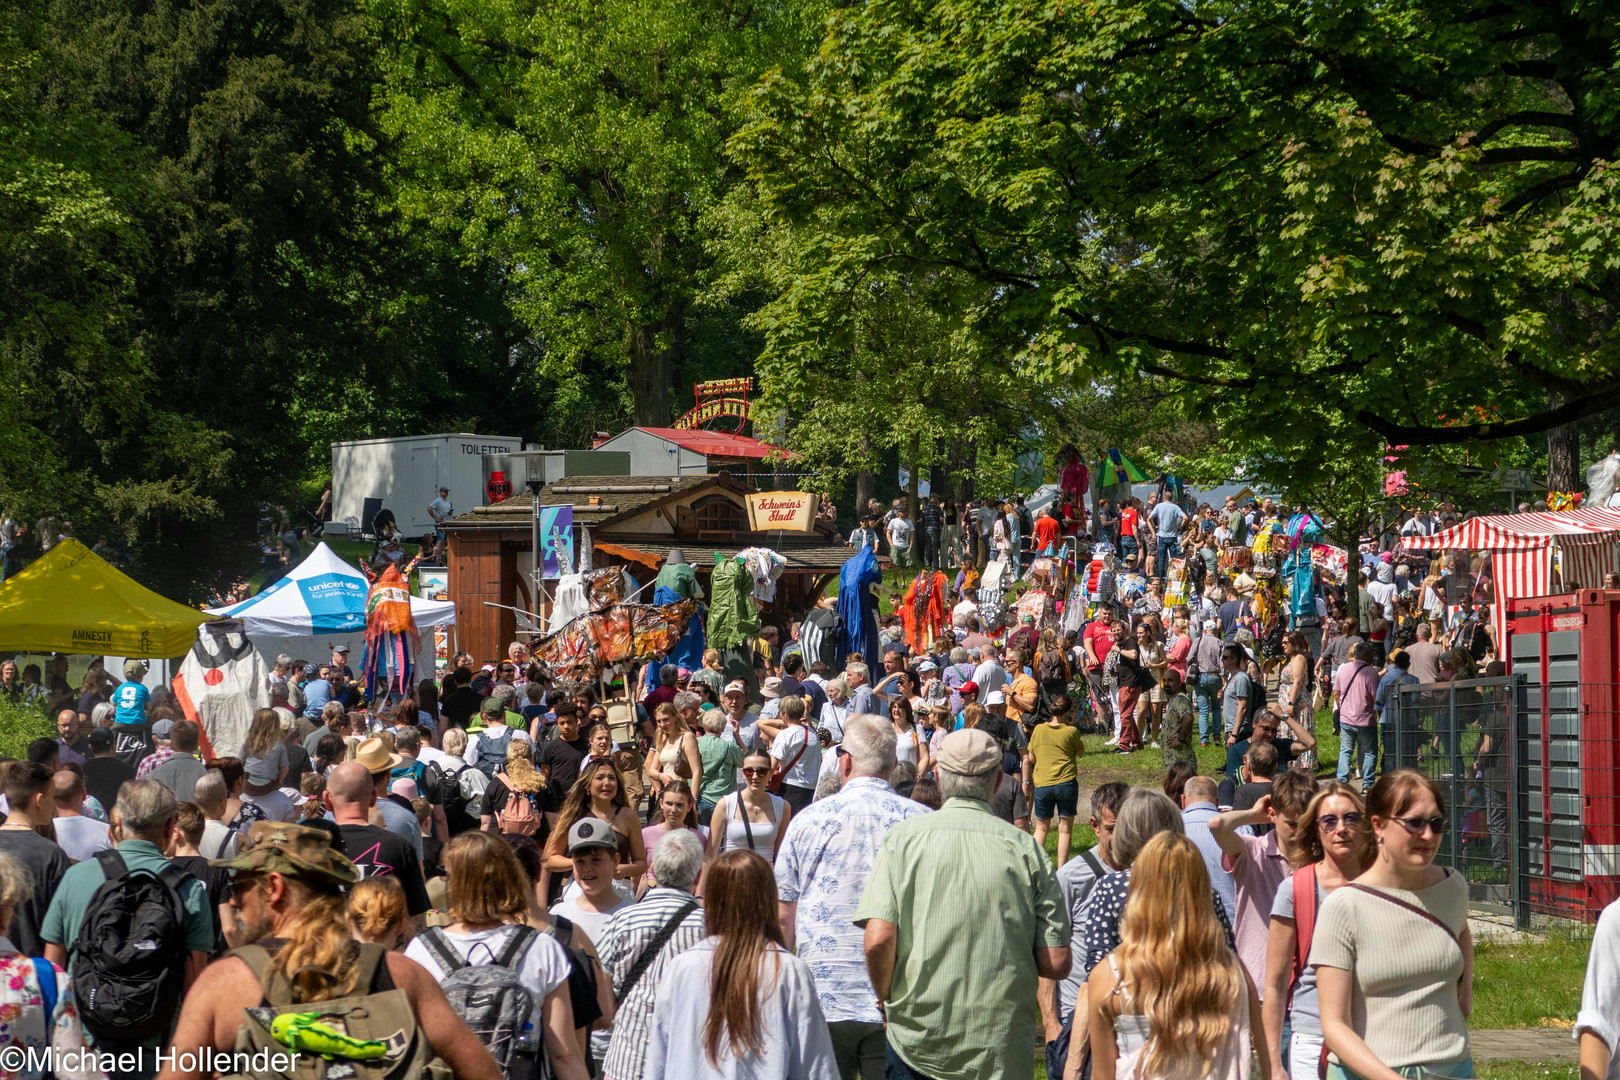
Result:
pixel 821 870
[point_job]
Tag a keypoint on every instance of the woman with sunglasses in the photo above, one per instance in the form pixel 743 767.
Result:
pixel 751 819
pixel 1332 846
pixel 1393 957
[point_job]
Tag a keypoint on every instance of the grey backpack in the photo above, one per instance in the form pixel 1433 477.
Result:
pixel 489 997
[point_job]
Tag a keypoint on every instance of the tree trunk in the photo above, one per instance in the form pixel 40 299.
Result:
pixel 914 470
pixel 1563 452
pixel 652 367
pixel 961 456
pixel 864 486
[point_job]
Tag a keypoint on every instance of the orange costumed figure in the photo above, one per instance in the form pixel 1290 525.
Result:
pixel 392 641
pixel 922 611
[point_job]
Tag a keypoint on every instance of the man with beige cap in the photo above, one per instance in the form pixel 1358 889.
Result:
pixel 287 890
pixel 1006 906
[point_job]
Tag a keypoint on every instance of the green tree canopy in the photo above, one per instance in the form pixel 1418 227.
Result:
pixel 1387 224
pixel 578 145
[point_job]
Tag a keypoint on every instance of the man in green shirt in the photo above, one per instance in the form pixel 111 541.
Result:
pixel 956 982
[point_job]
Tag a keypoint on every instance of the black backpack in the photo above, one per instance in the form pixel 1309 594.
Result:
pixel 132 743
pixel 129 961
pixel 452 798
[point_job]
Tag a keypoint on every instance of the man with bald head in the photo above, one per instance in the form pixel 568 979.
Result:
pixel 1198 805
pixel 72 748
pixel 350 796
pixel 81 837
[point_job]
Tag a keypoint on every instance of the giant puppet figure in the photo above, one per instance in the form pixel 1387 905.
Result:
pixel 678 581
pixel 391 638
pixel 1298 570
pixel 857 607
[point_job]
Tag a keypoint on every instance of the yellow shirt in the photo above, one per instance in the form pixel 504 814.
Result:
pixel 1054 750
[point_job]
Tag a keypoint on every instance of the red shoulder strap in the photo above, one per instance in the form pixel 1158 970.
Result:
pixel 1304 885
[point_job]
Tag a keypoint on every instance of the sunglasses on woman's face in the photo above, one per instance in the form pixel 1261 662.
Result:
pixel 754 772
pixel 1416 825
pixel 1330 822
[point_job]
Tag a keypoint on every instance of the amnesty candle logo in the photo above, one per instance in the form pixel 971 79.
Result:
pixel 789 511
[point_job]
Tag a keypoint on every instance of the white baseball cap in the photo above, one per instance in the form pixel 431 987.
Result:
pixel 995 697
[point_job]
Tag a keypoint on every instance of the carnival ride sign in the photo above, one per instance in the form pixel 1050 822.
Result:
pixel 715 400
pixel 789 511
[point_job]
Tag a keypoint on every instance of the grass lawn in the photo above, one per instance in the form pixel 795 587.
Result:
pixel 1515 986
pixel 1527 1070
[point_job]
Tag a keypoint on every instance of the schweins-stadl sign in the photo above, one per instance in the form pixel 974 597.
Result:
pixel 789 511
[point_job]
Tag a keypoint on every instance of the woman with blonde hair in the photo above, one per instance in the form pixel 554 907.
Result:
pixel 738 1003
pixel 1431 598
pixel 1332 846
pixel 489 897
pixel 1172 1002
pixel 675 757
pixel 375 911
pixel 599 793
pixel 518 779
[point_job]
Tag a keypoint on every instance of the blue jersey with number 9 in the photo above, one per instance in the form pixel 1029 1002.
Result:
pixel 129 701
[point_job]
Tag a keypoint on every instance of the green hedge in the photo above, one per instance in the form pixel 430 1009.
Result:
pixel 20 724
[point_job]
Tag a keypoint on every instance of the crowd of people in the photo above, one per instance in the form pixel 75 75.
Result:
pixel 820 872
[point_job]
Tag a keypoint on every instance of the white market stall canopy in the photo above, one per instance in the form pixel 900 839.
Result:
pixel 323 596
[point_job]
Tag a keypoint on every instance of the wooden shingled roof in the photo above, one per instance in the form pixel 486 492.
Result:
pixel 597 500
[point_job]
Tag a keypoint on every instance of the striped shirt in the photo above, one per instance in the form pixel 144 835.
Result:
pixel 621 943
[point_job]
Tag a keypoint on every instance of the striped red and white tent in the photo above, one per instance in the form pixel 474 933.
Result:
pixel 1524 548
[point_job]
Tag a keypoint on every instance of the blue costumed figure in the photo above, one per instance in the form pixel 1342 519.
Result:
pixel 857 607
pixel 678 581
pixel 1304 531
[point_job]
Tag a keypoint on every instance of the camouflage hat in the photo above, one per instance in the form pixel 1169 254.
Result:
pixel 297 851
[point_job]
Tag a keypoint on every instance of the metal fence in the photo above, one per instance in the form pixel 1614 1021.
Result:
pixel 1531 774
pixel 1458 735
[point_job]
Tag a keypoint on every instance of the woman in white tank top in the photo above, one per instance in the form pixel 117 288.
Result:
pixel 751 819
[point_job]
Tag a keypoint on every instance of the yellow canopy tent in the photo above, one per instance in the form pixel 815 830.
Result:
pixel 73 601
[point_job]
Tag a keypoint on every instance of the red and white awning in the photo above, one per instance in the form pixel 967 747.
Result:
pixel 1523 532
pixel 1522 547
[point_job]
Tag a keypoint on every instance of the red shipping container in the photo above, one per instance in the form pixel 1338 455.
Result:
pixel 1566 799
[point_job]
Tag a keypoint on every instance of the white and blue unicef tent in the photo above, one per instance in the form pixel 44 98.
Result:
pixel 321 604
